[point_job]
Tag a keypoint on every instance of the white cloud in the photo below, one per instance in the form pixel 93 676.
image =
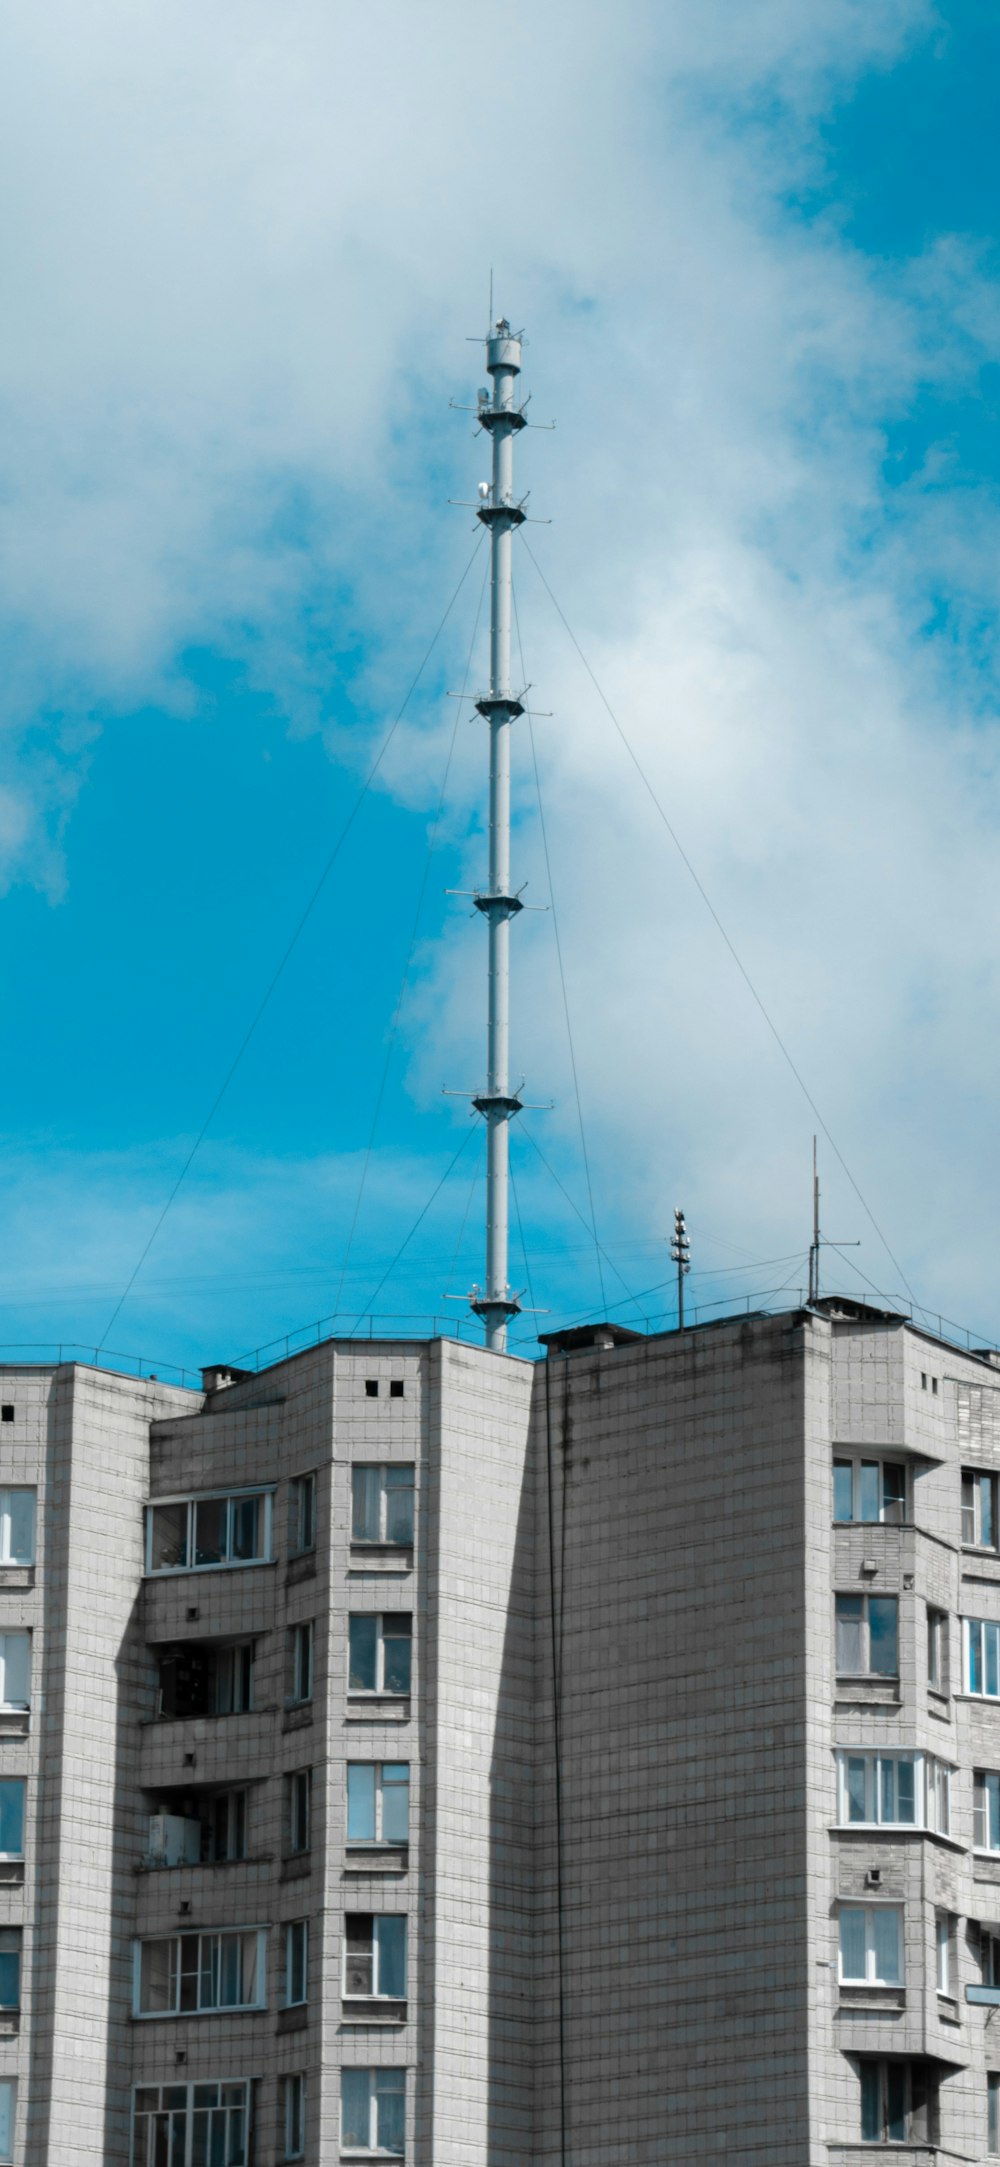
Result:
pixel 248 248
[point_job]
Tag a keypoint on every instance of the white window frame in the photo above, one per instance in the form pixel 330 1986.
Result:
pixel 887 1515
pixel 944 1953
pixel 938 1650
pixel 373 2075
pixel 986 1788
pixel 229 1497
pixel 17 1489
pixel 382 1469
pixel 9 2085
pixel 379 1800
pixel 216 1934
pixel 19 1634
pixel 294 2101
pixel 302 1514
pixel 865 1597
pixel 972 1509
pixel 870 1913
pixel 981 1645
pixel 381 1619
pixel 303 1648
pixel 296 1959
pixel 931 1789
pixel 377 1992
pixel 161 2085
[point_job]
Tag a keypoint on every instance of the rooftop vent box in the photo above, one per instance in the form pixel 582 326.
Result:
pixel 173 1841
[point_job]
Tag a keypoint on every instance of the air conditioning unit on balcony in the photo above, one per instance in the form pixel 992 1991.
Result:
pixel 173 1840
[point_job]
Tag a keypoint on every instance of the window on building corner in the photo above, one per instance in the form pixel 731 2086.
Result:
pixel 871 1945
pixel 195 1533
pixel 989 1956
pixel 869 1490
pixel 296 1963
pixel 986 1809
pixel 944 1953
pixel 15 1670
pixel 8 2115
pixel 982 1657
pixel 299 1810
pixel 937 1649
pixel 12 1817
pixel 373 2110
pixel 992 2113
pixel 382 1504
pixel 980 1527
pixel 906 1790
pixel 380 1652
pixel 867 1636
pixel 378 1802
pixel 17 1527
pixel 11 1938
pixel 295 2115
pixel 302 1514
pixel 301 1653
pixel 898 2102
pixel 375 1956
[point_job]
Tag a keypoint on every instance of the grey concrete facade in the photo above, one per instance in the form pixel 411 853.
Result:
pixel 680 1764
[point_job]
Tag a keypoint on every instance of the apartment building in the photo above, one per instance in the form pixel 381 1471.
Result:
pixel 417 1754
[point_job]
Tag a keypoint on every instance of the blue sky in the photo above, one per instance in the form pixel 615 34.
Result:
pixel 755 250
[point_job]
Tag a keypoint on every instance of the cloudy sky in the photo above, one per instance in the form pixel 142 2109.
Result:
pixel 753 244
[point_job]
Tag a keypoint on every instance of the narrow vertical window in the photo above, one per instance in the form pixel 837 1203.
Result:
pixel 17 1527
pixel 944 1965
pixel 295 2115
pixel 296 1962
pixel 8 2112
pixel 12 1817
pixel 10 1967
pixel 15 1670
pixel 299 1810
pixel 302 1662
pixel 992 2113
pixel 937 1650
pixel 302 1513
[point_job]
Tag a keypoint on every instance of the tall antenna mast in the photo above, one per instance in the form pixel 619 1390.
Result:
pixel 500 515
pixel 814 1244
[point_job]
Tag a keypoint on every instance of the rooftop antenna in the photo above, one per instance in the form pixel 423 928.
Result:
pixel 680 1250
pixel 814 1244
pixel 495 1303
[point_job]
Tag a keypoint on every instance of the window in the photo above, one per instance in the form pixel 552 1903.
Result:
pixel 992 2114
pixel 371 1388
pixel 982 1657
pixel 12 1817
pixel 296 1962
pixel 295 2115
pixel 867 1636
pixel 188 2124
pixel 194 1973
pixel 378 1801
pixel 380 1649
pixel 382 1504
pixel 375 1955
pixel 937 1650
pixel 299 1800
pixel 190 1533
pixel 8 2111
pixel 871 1945
pixel 17 1527
pixel 206 1681
pixel 397 1387
pixel 223 1820
pixel 903 1790
pixel 869 1490
pixel 373 2110
pixel 6 1412
pixel 302 1513
pixel 302 1662
pixel 10 1967
pixel 986 1809
pixel 944 1952
pixel 989 1956
pixel 979 1510
pixel 898 2103
pixel 15 1670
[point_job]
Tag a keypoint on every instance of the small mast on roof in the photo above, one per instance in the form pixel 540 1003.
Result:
pixel 501 419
